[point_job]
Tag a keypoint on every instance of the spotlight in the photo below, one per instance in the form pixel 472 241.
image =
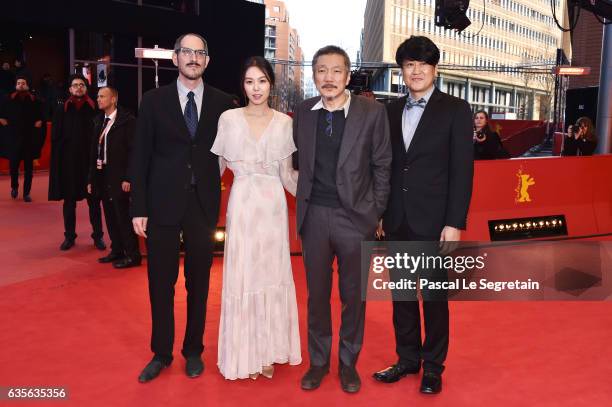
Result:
pixel 450 14
pixel 220 236
pixel 527 228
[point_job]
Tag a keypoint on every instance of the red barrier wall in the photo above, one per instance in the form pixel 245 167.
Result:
pixel 577 187
pixel 518 136
pixel 507 128
pixel 519 143
pixel 557 143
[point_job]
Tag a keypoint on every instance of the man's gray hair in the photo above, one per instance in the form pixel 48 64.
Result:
pixel 329 50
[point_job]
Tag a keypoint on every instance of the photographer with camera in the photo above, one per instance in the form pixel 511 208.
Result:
pixel 487 144
pixel 580 139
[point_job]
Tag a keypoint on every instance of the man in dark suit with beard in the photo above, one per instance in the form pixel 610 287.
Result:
pixel 71 137
pixel 431 186
pixel 176 188
pixel 108 176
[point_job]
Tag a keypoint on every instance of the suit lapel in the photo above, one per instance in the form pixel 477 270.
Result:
pixel 354 122
pixel 396 110
pixel 176 109
pixel 208 102
pixel 427 118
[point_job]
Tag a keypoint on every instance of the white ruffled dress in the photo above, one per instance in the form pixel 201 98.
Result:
pixel 259 318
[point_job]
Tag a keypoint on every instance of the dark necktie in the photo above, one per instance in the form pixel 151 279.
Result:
pixel 101 152
pixel 191 115
pixel 410 103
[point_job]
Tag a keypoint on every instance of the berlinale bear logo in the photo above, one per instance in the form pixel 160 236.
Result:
pixel 524 182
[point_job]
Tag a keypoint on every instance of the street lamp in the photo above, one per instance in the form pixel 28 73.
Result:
pixel 154 54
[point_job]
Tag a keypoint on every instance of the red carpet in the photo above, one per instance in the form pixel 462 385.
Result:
pixel 68 321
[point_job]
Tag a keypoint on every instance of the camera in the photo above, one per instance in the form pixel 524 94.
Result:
pixel 361 81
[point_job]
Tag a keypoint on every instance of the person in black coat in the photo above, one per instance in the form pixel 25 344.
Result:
pixel 7 80
pixel 71 137
pixel 108 177
pixel 176 189
pixel 431 187
pixel 580 139
pixel 487 143
pixel 21 113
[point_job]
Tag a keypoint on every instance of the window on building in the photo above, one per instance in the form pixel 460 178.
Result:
pixel 271 31
pixel 276 9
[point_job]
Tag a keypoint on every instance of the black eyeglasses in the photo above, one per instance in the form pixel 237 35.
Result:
pixel 188 52
pixel 329 118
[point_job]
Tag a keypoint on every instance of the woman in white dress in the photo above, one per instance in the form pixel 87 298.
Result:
pixel 259 319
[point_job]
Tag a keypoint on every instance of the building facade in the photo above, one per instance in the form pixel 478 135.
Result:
pixel 282 49
pixel 480 64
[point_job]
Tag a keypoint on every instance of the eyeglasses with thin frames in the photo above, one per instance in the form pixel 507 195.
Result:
pixel 188 52
pixel 77 85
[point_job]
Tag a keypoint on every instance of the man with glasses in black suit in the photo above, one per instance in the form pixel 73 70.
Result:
pixel 176 189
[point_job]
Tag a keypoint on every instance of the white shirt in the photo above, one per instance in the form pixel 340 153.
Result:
pixel 112 117
pixel 412 117
pixel 346 105
pixel 198 92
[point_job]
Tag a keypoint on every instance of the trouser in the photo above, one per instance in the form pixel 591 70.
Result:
pixel 118 222
pixel 163 244
pixel 329 233
pixel 95 218
pixel 28 171
pixel 407 320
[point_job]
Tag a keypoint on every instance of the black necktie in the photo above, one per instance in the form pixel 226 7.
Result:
pixel 101 139
pixel 191 115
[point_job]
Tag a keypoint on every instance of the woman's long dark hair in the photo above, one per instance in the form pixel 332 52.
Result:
pixel 486 129
pixel 590 132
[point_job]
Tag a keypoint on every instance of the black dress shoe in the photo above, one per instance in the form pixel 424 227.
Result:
pixel 27 198
pixel 67 244
pixel 194 366
pixel 111 257
pixel 313 377
pixel 431 383
pixel 152 370
pixel 14 193
pixel 127 262
pixel 99 243
pixel 395 372
pixel 349 379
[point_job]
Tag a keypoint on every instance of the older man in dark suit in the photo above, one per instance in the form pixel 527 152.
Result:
pixel 431 186
pixel 176 188
pixel 344 158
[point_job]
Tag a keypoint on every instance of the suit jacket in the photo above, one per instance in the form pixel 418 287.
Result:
pixel 364 161
pixel 119 142
pixel 431 183
pixel 165 157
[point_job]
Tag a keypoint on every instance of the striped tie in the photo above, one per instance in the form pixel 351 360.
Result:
pixel 191 115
